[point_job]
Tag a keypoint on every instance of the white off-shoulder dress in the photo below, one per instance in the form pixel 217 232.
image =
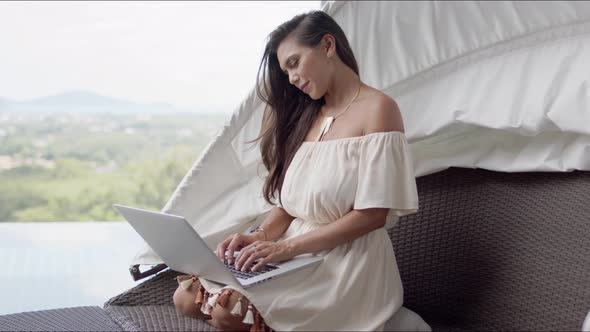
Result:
pixel 357 286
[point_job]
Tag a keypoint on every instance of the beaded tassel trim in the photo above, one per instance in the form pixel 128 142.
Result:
pixel 224 297
pixel 237 310
pixel 186 283
pixel 208 301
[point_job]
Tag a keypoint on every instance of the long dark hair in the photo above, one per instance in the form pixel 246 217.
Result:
pixel 290 113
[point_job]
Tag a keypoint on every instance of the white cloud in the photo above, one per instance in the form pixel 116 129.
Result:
pixel 190 54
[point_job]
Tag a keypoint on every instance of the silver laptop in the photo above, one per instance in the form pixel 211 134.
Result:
pixel 183 250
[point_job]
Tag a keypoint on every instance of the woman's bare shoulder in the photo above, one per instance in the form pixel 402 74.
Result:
pixel 381 113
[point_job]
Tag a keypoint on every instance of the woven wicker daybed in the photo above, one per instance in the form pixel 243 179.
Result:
pixel 486 251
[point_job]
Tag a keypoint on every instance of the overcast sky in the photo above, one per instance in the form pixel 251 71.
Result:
pixel 200 55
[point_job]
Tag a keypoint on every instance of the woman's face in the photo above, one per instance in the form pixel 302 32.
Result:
pixel 308 69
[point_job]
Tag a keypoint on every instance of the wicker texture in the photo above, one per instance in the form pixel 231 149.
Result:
pixel 158 290
pixel 486 251
pixel 149 307
pixel 68 319
pixel 156 318
pixel 500 251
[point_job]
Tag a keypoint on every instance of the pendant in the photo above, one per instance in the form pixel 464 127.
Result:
pixel 327 125
pixel 329 121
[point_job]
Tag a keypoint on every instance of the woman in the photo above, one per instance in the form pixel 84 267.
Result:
pixel 338 158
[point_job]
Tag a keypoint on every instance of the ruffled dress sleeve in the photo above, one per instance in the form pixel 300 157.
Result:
pixel 386 177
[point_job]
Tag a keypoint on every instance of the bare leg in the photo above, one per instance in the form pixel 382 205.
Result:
pixel 184 300
pixel 222 318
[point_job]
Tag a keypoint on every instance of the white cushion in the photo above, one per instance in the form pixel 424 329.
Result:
pixel 406 320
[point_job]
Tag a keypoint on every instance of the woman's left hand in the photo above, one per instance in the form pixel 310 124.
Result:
pixel 266 251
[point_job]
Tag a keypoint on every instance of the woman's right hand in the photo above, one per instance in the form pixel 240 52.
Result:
pixel 234 242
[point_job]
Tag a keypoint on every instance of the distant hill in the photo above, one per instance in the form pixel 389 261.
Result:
pixel 87 102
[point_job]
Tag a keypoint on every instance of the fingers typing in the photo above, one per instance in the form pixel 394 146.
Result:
pixel 233 246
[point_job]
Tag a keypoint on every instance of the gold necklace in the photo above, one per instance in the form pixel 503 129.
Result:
pixel 328 120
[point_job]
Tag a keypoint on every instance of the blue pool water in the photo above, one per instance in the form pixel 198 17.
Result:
pixel 64 264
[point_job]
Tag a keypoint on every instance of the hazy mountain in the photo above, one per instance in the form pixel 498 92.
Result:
pixel 76 98
pixel 86 102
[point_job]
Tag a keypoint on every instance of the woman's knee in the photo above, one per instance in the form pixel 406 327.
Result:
pixel 223 318
pixel 184 300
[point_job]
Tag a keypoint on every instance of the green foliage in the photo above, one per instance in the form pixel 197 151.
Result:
pixel 13 146
pixel 18 195
pixel 91 172
pixel 71 168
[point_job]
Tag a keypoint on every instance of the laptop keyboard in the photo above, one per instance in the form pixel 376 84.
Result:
pixel 246 274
